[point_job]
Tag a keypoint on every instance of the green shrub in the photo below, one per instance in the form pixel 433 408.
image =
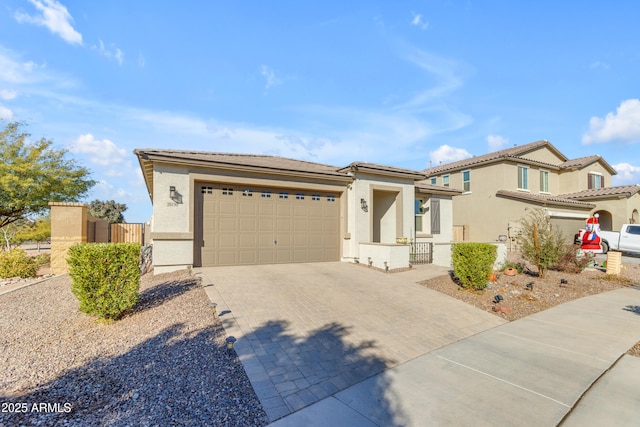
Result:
pixel 473 263
pixel 518 266
pixel 16 263
pixel 106 277
pixel 541 243
pixel 42 259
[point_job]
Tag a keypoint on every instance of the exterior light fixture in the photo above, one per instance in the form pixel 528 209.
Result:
pixel 363 205
pixel 230 341
pixel 173 193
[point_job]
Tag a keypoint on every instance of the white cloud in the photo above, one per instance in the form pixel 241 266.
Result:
pixel 270 77
pixel 445 72
pixel 496 142
pixel 5 113
pixel 141 61
pixel 599 64
pixel 448 154
pixel 7 94
pixel 55 17
pixel 112 53
pixel 627 174
pixel 16 72
pixel 100 151
pixel 623 125
pixel 419 22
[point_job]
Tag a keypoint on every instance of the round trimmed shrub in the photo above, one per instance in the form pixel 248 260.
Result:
pixel 106 277
pixel 16 263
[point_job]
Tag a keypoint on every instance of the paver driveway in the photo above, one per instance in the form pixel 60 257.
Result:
pixel 307 331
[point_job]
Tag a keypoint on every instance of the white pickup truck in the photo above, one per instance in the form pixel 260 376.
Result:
pixel 626 240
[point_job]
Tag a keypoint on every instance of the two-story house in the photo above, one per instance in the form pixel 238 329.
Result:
pixel 500 187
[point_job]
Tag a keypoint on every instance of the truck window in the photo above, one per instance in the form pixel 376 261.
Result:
pixel 633 229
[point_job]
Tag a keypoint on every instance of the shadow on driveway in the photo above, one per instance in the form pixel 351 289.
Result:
pixel 289 372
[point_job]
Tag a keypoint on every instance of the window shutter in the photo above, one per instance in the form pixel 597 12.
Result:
pixel 601 181
pixel 435 216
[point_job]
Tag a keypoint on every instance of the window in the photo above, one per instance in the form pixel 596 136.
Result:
pixel 227 191
pixel 206 190
pixel 418 211
pixel 466 181
pixel 283 195
pixel 247 193
pixel 266 194
pixel 331 198
pixel 633 229
pixel 445 181
pixel 315 197
pixel 434 181
pixel 596 180
pixel 544 181
pixel 523 178
pixel 299 196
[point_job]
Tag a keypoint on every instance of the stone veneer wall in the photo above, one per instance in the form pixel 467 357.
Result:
pixel 68 227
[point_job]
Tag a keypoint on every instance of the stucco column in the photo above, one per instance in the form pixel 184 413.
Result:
pixel 68 227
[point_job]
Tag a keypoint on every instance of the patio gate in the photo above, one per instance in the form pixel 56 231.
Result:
pixel 421 253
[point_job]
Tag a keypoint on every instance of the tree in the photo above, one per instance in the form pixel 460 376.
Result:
pixel 109 210
pixel 32 174
pixel 541 243
pixel 37 231
pixel 11 231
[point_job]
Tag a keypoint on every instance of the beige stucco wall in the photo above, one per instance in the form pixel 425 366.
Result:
pixel 621 210
pixel 576 180
pixel 488 216
pixel 359 224
pixel 172 227
pixel 446 219
pixel 68 227
pixel 543 154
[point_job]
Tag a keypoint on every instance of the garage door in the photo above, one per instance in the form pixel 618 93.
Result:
pixel 243 225
pixel 568 226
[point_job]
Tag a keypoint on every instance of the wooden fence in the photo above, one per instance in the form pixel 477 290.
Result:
pixel 127 233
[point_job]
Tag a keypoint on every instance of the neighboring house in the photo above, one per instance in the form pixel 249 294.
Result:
pixel 212 209
pixel 500 187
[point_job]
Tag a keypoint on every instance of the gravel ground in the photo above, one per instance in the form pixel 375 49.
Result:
pixel 518 302
pixel 163 364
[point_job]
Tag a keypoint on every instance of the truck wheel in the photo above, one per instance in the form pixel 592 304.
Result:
pixel 605 246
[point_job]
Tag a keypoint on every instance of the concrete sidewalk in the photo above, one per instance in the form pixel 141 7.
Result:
pixel 557 366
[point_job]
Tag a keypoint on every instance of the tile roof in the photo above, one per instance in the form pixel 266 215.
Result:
pixel 517 151
pixel 544 199
pixel 426 187
pixel 603 193
pixel 579 162
pixel 382 169
pixel 266 162
pixel 586 161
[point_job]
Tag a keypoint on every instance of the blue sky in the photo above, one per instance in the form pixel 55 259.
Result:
pixel 398 83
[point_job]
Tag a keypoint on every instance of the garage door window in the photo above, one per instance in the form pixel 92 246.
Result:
pixel 299 196
pixel 247 193
pixel 206 190
pixel 266 194
pixel 315 197
pixel 283 195
pixel 331 198
pixel 227 191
